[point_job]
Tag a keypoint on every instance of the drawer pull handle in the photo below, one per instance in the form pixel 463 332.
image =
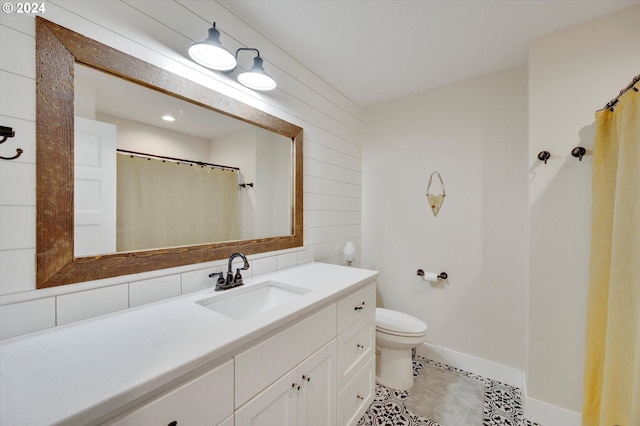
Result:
pixel 361 398
pixel 359 346
pixel 307 378
pixel 357 308
pixel 173 423
pixel 295 386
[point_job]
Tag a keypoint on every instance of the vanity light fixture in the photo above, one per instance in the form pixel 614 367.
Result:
pixel 256 78
pixel 210 53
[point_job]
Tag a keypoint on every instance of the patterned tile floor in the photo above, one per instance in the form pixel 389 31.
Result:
pixel 502 403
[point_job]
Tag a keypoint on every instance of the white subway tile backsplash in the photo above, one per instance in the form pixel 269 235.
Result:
pixel 153 289
pixel 306 256
pixel 17 271
pixel 198 280
pixel 285 261
pixel 17 228
pixel 263 265
pixel 91 303
pixel 27 317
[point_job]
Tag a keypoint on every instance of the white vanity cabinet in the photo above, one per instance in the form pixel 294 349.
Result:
pixel 306 395
pixel 308 361
pixel 206 400
pixel 281 381
pixel 319 371
pixel 289 379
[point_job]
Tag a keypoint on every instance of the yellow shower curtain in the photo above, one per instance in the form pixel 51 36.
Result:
pixel 612 360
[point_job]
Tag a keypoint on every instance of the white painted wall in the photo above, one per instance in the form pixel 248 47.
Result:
pixel 264 159
pixel 513 233
pixel 572 73
pixel 474 134
pixel 332 151
pixel 239 149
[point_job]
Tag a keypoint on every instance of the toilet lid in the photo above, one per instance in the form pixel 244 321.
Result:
pixel 394 322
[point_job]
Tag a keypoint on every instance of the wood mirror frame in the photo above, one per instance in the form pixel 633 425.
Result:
pixel 58 49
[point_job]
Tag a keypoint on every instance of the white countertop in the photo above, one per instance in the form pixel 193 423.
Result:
pixel 76 373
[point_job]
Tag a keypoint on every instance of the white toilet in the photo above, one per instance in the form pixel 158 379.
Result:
pixel 396 335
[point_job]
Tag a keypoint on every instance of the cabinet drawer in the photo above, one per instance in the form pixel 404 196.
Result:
pixel 355 347
pixel 262 364
pixel 206 400
pixel 356 306
pixel 357 395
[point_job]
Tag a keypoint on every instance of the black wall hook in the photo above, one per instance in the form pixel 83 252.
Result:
pixel 578 152
pixel 544 156
pixel 5 133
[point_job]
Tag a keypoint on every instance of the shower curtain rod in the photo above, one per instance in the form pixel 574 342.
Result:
pixel 180 160
pixel 614 101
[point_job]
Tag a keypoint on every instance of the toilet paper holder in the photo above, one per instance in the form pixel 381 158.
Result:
pixel 441 275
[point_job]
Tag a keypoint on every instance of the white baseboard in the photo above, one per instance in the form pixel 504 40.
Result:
pixel 546 414
pixel 534 410
pixel 493 370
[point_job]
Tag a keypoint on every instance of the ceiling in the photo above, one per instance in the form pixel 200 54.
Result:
pixel 376 50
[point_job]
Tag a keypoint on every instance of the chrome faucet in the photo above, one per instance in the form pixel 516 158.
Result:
pixel 231 280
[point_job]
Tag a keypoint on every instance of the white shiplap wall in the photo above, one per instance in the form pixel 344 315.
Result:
pixel 159 33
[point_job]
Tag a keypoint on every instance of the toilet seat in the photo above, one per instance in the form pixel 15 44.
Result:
pixel 399 324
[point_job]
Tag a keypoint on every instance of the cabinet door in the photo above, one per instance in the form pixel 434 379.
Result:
pixel 276 405
pixel 317 395
pixel 204 401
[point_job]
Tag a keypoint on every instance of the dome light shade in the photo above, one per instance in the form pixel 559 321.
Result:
pixel 256 78
pixel 349 252
pixel 211 54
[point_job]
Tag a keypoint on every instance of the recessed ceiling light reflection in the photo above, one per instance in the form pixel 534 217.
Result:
pixel 168 118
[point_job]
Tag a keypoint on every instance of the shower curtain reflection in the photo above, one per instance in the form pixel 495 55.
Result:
pixel 155 199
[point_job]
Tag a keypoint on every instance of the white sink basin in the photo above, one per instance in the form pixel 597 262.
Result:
pixel 244 302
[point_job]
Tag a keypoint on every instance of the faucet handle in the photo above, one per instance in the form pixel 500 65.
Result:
pixel 220 277
pixel 238 277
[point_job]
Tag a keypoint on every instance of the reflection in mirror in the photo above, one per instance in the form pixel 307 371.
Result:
pixel 143 181
pixel 59 52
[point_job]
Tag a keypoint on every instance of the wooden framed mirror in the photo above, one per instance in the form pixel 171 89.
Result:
pixel 58 50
